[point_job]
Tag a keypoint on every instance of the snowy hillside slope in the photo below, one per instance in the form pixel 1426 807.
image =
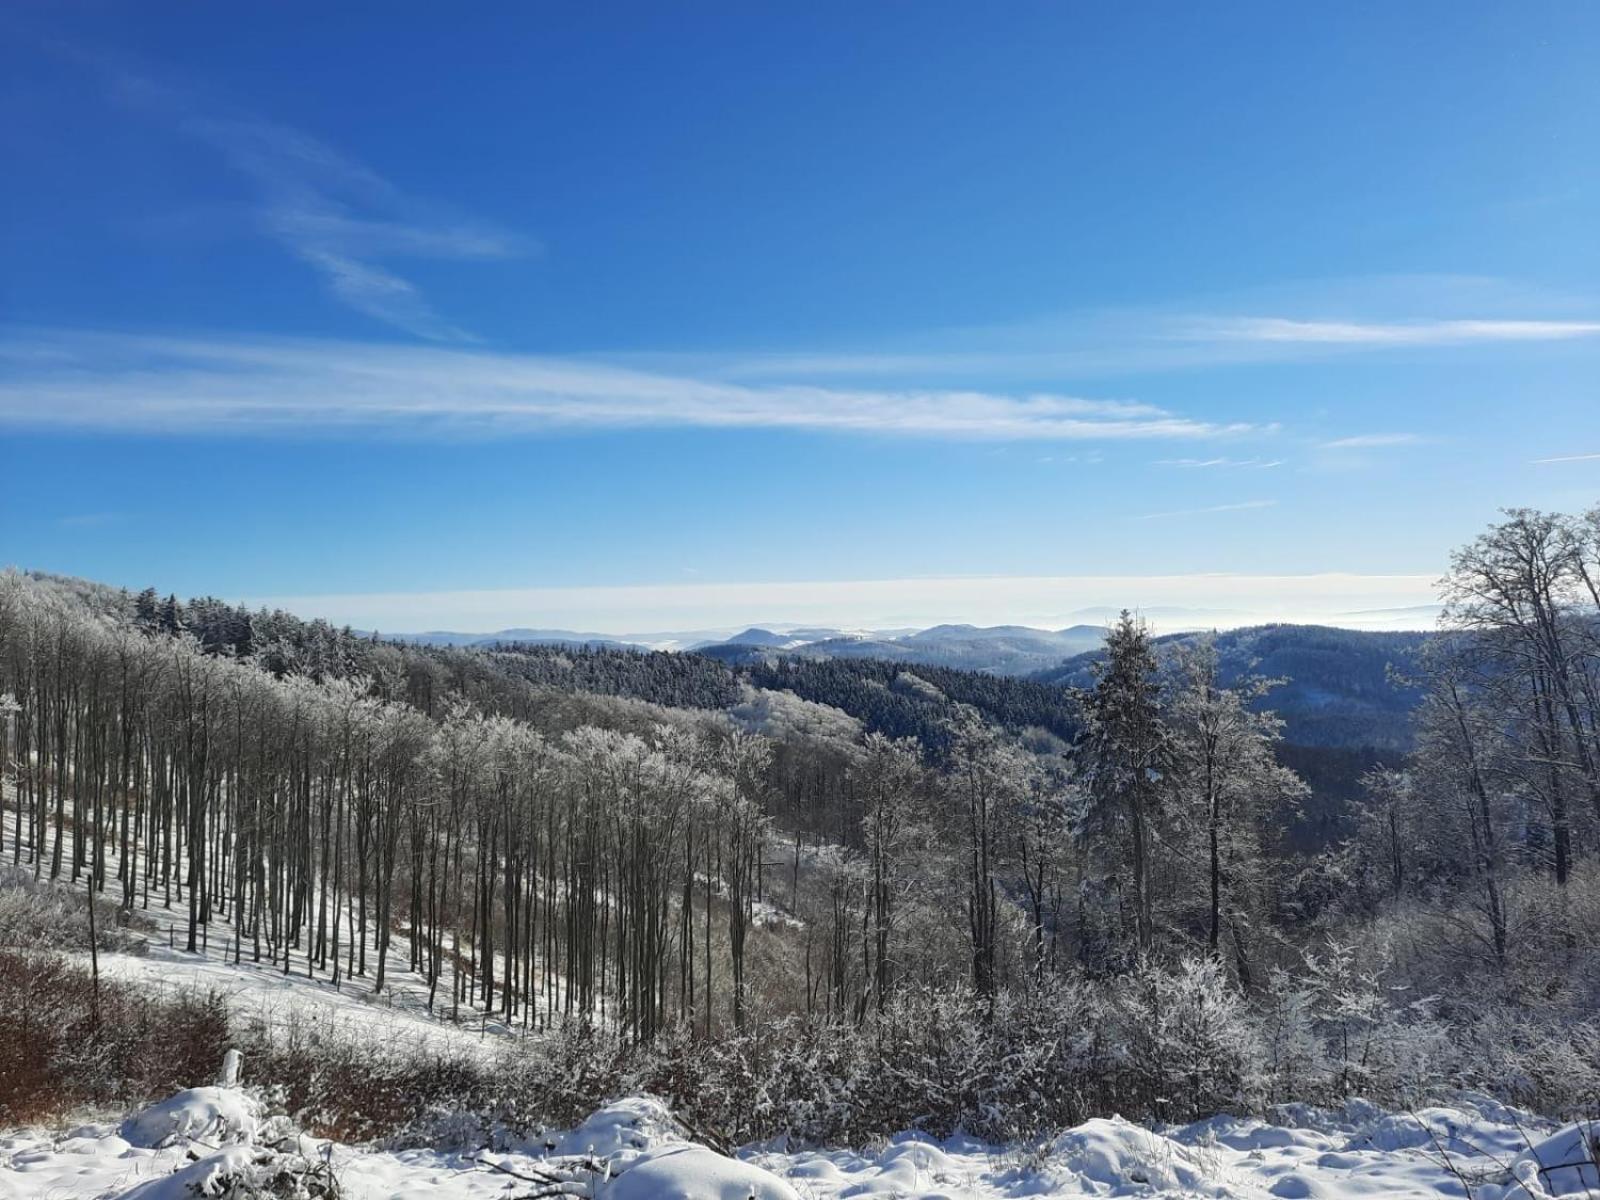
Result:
pixel 288 991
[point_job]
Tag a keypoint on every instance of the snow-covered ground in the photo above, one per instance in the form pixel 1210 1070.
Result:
pixel 263 994
pixel 203 1138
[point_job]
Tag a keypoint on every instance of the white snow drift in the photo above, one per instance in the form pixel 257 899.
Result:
pixel 215 1141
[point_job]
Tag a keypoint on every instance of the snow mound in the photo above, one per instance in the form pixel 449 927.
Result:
pixel 690 1172
pixel 1245 1134
pixel 212 1114
pixel 1125 1159
pixel 216 1174
pixel 908 1167
pixel 1466 1133
pixel 1562 1165
pixel 1295 1186
pixel 634 1124
pixel 636 1148
pixel 647 1155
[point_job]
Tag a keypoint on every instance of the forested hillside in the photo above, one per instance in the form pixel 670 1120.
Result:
pixel 519 678
pixel 922 702
pixel 1345 698
pixel 1001 650
pixel 1341 687
pixel 693 863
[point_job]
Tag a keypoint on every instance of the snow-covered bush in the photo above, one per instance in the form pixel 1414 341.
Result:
pixel 363 1089
pixel 1190 1045
pixel 38 914
pixel 1294 1062
pixel 1349 1004
pixel 236 1147
pixel 1532 1061
pixel 1168 1042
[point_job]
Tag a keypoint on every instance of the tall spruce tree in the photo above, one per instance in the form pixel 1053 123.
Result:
pixel 1126 752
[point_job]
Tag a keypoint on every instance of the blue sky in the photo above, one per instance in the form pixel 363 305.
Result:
pixel 618 316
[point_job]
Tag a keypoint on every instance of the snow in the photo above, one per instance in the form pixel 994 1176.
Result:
pixel 201 1114
pixel 1565 1164
pixel 634 1148
pixel 1115 1155
pixel 690 1172
pixel 1356 1153
pixel 634 1124
pixel 210 1176
pixel 260 993
pixel 648 1157
pixel 207 1137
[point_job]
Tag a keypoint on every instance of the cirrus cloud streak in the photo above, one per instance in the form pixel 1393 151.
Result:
pixel 1284 330
pixel 188 385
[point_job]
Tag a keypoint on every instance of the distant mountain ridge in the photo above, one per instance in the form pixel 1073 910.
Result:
pixel 1337 673
pixel 536 637
pixel 998 649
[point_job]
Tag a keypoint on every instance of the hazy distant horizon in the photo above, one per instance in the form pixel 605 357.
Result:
pixel 1167 602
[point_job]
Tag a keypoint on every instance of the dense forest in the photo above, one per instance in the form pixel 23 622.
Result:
pixel 670 851
pixel 1339 687
pixel 1346 700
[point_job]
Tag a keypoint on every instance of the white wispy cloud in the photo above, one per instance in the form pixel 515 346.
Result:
pixel 1239 506
pixel 343 219
pixel 1565 458
pixel 1228 464
pixel 327 209
pixel 1387 333
pixel 1289 322
pixel 1372 441
pixel 117 382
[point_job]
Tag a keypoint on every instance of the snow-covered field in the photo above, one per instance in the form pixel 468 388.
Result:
pixel 203 1141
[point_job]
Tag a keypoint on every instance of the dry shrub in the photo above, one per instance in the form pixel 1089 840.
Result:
pixel 62 1048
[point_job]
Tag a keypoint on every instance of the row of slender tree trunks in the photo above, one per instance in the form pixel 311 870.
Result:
pixel 316 827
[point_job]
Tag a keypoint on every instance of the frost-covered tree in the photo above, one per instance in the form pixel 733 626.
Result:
pixel 1226 783
pixel 988 777
pixel 1039 836
pixel 888 780
pixel 1525 587
pixel 1125 755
